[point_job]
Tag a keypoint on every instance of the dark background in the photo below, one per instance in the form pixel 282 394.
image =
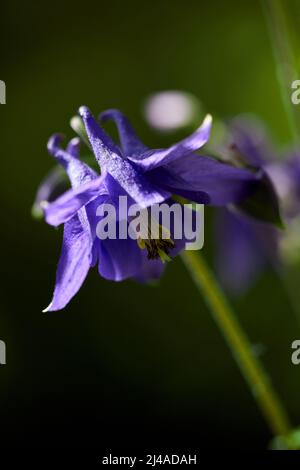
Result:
pixel 126 365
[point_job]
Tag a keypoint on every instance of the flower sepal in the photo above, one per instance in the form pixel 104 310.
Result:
pixel 263 203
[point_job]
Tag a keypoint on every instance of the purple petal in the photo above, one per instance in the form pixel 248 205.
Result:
pixel 49 189
pixel 285 176
pixel 222 183
pixel 119 259
pixel 105 145
pixel 151 270
pixel 78 171
pixel 130 143
pixel 196 196
pixel 177 222
pixel 249 138
pixel 244 247
pixel 134 183
pixel 67 205
pixel 239 259
pixel 73 265
pixel 73 147
pixel 156 158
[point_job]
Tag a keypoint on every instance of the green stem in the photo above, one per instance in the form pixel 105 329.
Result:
pixel 289 277
pixel 286 68
pixel 251 368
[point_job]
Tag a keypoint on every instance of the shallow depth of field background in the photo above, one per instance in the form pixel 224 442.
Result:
pixel 128 365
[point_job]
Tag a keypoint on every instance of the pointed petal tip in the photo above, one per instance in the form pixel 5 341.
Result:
pixel 50 219
pixel 84 112
pixel 76 124
pixel 108 113
pixel 207 120
pixel 47 309
pixel 52 308
pixel 73 147
pixel 75 120
pixel 53 143
pixel 75 142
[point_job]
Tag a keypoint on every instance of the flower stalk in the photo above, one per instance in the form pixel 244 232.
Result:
pixel 251 368
pixel 286 66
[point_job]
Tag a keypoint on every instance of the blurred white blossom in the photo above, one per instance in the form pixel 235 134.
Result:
pixel 171 110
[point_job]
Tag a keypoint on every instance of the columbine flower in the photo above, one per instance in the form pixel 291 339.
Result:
pixel 245 245
pixel 146 177
pixel 117 259
pixel 177 169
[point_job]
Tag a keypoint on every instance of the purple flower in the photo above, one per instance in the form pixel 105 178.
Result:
pixel 146 177
pixel 81 249
pixel 285 175
pixel 177 169
pixel 245 245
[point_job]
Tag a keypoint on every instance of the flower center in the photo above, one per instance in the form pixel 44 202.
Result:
pixel 157 248
pixel 158 241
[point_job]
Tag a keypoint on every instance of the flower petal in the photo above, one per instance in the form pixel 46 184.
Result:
pixel 78 171
pixel 73 265
pixel 238 260
pixel 132 181
pixel 50 188
pixel 119 259
pixel 250 139
pixel 67 205
pixel 73 147
pixel 97 136
pixel 130 142
pixel 223 183
pixel 243 248
pixel 156 158
pixel 151 270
